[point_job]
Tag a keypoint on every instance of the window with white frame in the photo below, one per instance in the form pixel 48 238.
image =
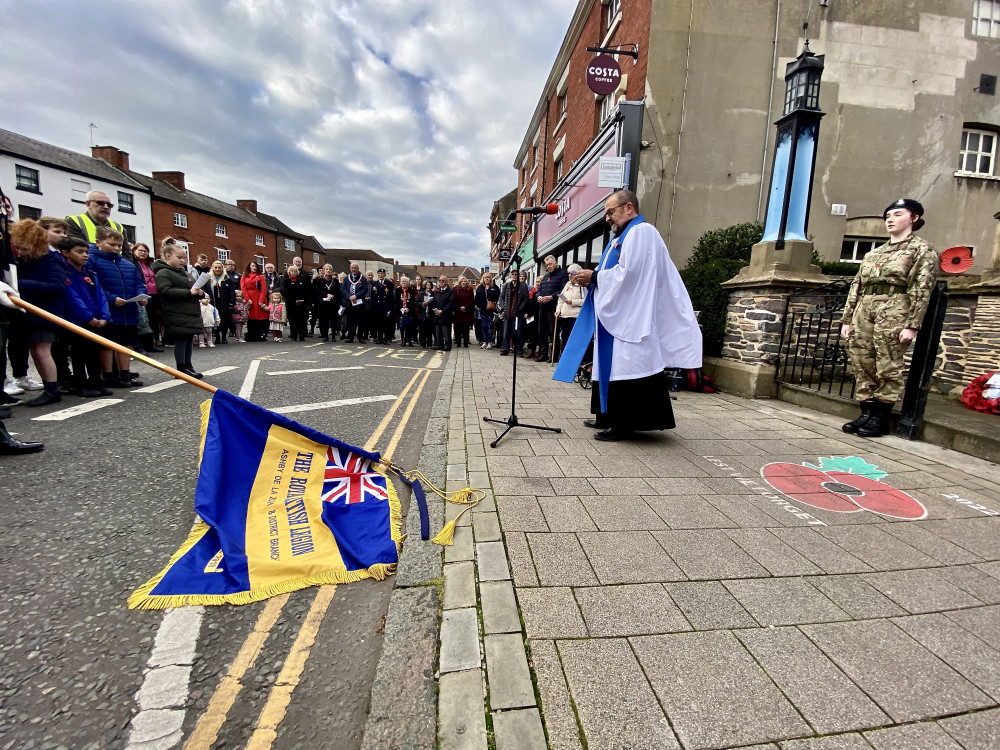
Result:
pixel 126 203
pixel 607 107
pixel 854 249
pixel 79 190
pixel 220 230
pixel 259 239
pixel 986 18
pixel 29 212
pixel 180 220
pixel 259 260
pixel 284 267
pixel 289 245
pixel 222 254
pixel 978 152
pixel 185 247
pixel 611 10
pixel 315 257
pixel 559 170
pixel 27 179
pixel 129 232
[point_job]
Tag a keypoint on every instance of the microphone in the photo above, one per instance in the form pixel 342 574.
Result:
pixel 548 208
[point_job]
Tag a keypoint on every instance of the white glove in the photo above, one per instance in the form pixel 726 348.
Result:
pixel 6 289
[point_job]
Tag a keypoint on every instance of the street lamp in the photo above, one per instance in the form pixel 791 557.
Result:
pixel 795 151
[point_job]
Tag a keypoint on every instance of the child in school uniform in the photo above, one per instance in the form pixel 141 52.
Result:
pixel 210 321
pixel 86 306
pixel 278 316
pixel 178 303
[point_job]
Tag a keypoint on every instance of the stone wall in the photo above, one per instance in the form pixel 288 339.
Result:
pixel 984 339
pixel 753 325
pixel 950 366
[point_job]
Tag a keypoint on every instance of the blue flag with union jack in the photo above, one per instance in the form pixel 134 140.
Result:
pixel 280 507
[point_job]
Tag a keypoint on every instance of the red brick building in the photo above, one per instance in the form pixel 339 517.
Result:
pixel 203 224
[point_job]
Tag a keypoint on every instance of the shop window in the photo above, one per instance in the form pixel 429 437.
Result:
pixel 978 152
pixel 854 249
pixel 27 179
pixel 986 18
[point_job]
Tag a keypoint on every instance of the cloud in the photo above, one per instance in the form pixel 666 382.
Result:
pixel 387 124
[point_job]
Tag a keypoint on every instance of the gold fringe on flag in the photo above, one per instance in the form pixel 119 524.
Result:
pixel 467 496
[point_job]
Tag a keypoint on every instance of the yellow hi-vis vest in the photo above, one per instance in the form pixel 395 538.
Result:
pixel 90 228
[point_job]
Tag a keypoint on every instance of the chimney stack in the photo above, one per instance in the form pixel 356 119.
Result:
pixel 249 205
pixel 110 154
pixel 172 178
pixel 442 264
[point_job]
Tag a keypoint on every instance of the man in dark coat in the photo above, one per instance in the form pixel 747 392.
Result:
pixel 444 308
pixel 326 292
pixel 383 321
pixel 548 297
pixel 352 298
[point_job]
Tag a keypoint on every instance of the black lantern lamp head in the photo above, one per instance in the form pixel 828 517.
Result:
pixel 802 77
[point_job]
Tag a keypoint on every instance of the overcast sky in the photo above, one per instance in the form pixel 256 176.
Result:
pixel 383 124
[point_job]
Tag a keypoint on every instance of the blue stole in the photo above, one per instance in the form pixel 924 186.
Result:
pixel 586 323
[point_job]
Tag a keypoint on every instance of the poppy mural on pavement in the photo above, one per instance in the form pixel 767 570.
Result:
pixel 843 484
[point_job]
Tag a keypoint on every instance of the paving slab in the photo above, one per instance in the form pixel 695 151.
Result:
pixel 857 598
pixel 823 694
pixel 773 554
pixel 980 535
pixel 979 731
pixel 461 548
pixel 519 730
pixel 714 692
pixel 541 466
pixel 880 550
pixel 461 719
pixel 460 585
pixel 973 581
pixel 641 609
pixel 491 561
pixel 837 742
pixel 499 607
pixel 560 560
pixel 622 513
pixel 690 512
pixel 628 557
pixel 486 527
pixel 459 640
pixel 812 545
pixel 906 680
pixel 784 601
pixel 560 717
pixel 676 466
pixel 520 513
pixel 751 512
pixel 924 736
pixel 524 486
pixel 708 554
pixel 957 647
pixel 709 606
pixel 519 556
pixel 919 591
pixel 507 672
pixel 616 706
pixel 983 622
pixel 550 612
pixel 918 537
pixel 566 514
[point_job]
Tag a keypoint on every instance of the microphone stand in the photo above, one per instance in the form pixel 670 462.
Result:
pixel 512 420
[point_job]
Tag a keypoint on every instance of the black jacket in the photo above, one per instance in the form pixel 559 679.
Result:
pixel 296 294
pixel 444 300
pixel 359 289
pixel 513 300
pixel 551 285
pixel 181 310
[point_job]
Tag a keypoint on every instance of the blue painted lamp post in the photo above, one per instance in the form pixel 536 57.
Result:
pixel 795 152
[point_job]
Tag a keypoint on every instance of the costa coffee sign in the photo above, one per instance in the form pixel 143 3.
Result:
pixel 604 75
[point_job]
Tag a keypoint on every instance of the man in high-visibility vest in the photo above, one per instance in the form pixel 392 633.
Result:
pixel 85 225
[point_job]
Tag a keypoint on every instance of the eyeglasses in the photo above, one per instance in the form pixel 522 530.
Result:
pixel 610 211
pixel 106 204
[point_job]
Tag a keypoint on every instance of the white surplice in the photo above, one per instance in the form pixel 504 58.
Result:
pixel 644 305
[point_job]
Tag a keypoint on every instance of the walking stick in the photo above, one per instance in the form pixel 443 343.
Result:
pixel 109 344
pixel 555 340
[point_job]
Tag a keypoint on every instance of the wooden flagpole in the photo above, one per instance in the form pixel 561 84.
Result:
pixel 109 344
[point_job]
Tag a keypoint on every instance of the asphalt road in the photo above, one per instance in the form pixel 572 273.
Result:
pixel 110 499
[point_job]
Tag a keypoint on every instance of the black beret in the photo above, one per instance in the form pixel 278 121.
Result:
pixel 907 203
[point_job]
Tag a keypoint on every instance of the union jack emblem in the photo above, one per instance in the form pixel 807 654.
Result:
pixel 350 479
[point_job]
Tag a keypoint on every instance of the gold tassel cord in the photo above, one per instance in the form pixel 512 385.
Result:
pixel 467 496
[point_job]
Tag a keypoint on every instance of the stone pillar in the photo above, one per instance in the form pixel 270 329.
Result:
pixel 755 316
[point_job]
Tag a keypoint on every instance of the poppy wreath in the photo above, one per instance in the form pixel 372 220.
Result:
pixel 972 396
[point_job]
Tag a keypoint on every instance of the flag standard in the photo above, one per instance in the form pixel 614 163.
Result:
pixel 281 507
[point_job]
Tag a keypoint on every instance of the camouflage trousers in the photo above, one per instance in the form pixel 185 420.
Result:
pixel 874 349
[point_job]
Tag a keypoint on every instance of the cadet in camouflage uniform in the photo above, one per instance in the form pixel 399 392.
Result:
pixel 884 310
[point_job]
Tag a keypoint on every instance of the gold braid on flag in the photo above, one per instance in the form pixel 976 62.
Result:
pixel 467 496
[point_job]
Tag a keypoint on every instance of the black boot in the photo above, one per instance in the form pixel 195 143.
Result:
pixel 866 413
pixel 10 446
pixel 188 369
pixel 878 422
pixel 50 395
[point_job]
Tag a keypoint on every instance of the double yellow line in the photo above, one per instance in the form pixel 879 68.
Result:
pixel 207 730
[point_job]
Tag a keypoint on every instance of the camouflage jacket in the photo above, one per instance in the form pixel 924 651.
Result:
pixel 912 263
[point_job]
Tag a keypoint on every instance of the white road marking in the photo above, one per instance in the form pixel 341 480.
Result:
pixel 247 388
pixel 315 369
pixel 332 404
pixel 157 387
pixel 75 411
pixel 164 690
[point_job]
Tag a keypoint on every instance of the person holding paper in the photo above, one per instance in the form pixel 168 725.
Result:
pixel 568 309
pixel 352 294
pixel 121 281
